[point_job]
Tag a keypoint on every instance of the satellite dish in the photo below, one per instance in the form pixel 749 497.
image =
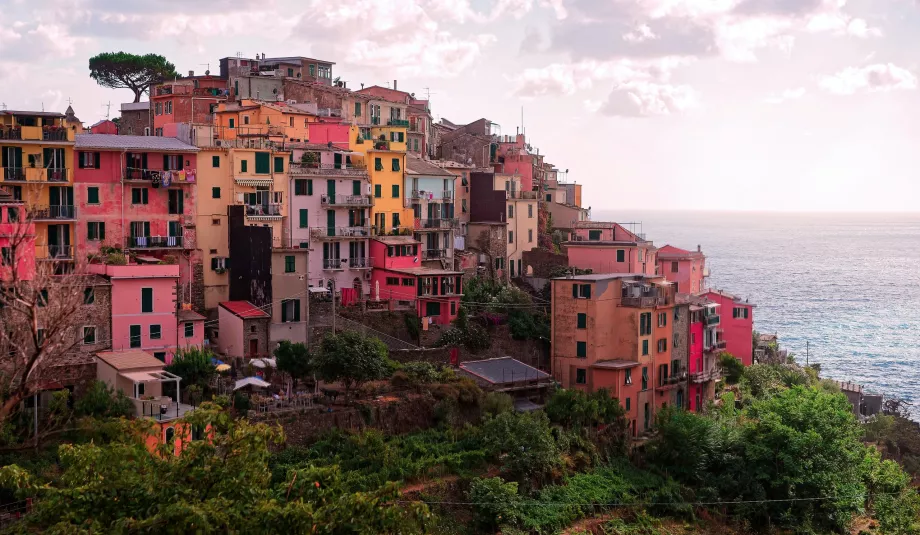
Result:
pixel 415 260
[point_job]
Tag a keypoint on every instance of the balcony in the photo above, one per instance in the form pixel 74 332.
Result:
pixel 153 242
pixel 431 196
pixel 345 200
pixel 53 253
pixel 712 320
pixel 434 254
pixel 672 381
pixel 340 233
pixel 263 212
pixel 525 195
pixel 643 302
pixel 360 263
pixel 704 377
pixel 36 133
pixel 380 144
pixel 35 174
pixel 329 169
pixel 334 264
pixel 148 176
pixel 398 122
pixel 52 213
pixel 428 225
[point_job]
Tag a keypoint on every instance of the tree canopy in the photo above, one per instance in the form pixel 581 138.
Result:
pixel 351 358
pixel 121 70
pixel 293 359
pixel 194 366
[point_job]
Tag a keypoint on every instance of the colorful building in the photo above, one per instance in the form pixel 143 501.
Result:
pixel 244 330
pixel 398 276
pixel 736 324
pixel 417 117
pixel 186 100
pixel 686 268
pixel 146 314
pixel 37 162
pixel 614 331
pixel 607 247
pixel 429 192
pixel 383 147
pixel 705 346
pixel 17 239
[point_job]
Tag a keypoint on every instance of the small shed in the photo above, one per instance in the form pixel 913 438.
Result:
pixel 243 330
pixel 525 384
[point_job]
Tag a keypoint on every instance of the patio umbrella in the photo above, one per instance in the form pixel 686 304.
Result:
pixel 223 367
pixel 251 381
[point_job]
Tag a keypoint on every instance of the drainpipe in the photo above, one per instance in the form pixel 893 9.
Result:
pixel 124 162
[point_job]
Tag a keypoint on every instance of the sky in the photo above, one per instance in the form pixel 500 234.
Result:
pixel 799 105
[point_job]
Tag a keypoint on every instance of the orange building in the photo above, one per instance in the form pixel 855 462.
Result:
pixel 615 331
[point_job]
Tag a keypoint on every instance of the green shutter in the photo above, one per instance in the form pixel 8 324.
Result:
pixel 92 195
pixel 296 309
pixel 215 161
pixel 244 166
pixel 90 231
pixel 166 162
pixel 232 122
pixel 144 196
pixel 263 163
pixel 146 299
pixel 102 231
pixel 279 164
pixel 395 191
pixel 135 196
pixel 377 191
pixel 582 349
pixel 582 321
pixel 189 329
pixel 574 291
pixel 304 218
pixel 310 186
pixel 587 288
pixel 356 187
pixel 284 316
pixel 357 109
pixel 213 264
pixel 215 193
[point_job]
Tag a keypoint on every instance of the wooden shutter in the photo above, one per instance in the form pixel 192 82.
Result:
pixel 166 162
pixel 97 156
pixel 296 309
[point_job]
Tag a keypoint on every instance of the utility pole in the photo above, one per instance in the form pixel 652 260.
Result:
pixel 333 307
pixel 806 353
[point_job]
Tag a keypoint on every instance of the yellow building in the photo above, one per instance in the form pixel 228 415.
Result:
pixel 277 121
pixel 37 161
pixel 384 148
pixel 255 178
pixel 521 214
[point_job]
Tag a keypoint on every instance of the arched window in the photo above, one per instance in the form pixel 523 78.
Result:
pixel 170 434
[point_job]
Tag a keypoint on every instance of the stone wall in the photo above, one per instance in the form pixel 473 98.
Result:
pixel 543 262
pixel 133 123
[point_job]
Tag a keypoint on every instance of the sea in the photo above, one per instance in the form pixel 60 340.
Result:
pixel 839 289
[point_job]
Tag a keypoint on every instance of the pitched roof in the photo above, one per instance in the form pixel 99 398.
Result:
pixel 669 252
pixel 418 166
pixel 189 315
pixel 32 113
pixel 244 310
pixel 119 142
pixel 423 271
pixel 503 370
pixel 135 106
pixel 130 360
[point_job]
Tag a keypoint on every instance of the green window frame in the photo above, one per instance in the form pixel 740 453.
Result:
pixel 279 164
pixel 92 195
pixel 581 349
pixel 378 191
pixel 135 336
pixel 232 121
pixel 594 235
pixel 582 320
pixel 139 196
pixel 263 163
pixel 395 191
pixel 621 255
pixel 644 347
pixel 627 404
pixel 304 218
pixel 644 378
pixel 290 264
pixel 244 166
pixel 215 192
pixel 156 332
pixel 215 161
pixel 300 187
pixel 146 300
pixel 395 164
pixel 628 379
pixel 309 187
pixel 189 329
pixel 581 376
pixel 357 109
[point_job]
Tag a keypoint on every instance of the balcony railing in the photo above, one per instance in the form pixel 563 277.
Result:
pixel 55 212
pixel 345 200
pixel 713 319
pixel 350 169
pixel 705 376
pixel 434 254
pixel 375 120
pixel 397 122
pixel 643 302
pixel 334 264
pixel 381 144
pixel 431 195
pixel 153 242
pixel 35 174
pixel 333 233
pixel 677 377
pixel 35 133
pixel 522 195
pixel 360 263
pixel 263 211
pixel 54 252
pixel 437 224
pixel 151 175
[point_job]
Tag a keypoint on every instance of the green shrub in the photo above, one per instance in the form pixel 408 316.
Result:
pixel 524 444
pixel 102 401
pixel 420 372
pixel 494 502
pixel 495 403
pixel 241 402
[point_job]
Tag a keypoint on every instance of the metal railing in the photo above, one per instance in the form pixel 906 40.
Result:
pixel 39 213
pixel 263 210
pixel 331 233
pixel 345 200
pixel 713 319
pixel 35 133
pixel 397 122
pixel 431 195
pixel 381 144
pixel 375 120
pixel 434 254
pixel 35 174
pixel 674 379
pixel 643 302
pixel 522 194
pixel 153 242
pixel 713 374
pixel 150 175
pixel 315 168
pixel 55 252
pixel 336 264
pixel 437 224
pixel 360 263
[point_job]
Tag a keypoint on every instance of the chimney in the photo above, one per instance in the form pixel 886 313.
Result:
pixel 191 73
pixel 699 248
pixel 394 85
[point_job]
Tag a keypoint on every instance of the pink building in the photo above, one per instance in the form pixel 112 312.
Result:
pixel 137 193
pixel 17 239
pixel 686 268
pixel 606 247
pixel 398 275
pixel 705 346
pixel 736 325
pixel 514 156
pixel 145 314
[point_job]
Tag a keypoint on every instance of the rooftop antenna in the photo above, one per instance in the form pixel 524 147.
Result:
pixel 108 109
pixel 69 101
pixel 207 66
pixel 3 105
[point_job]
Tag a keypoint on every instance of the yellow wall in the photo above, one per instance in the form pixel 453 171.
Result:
pixel 387 132
pixel 520 224
pixel 386 178
pixel 262 119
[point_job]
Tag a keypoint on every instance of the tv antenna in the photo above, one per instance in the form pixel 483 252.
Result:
pixel 108 109
pixel 69 101
pixel 207 66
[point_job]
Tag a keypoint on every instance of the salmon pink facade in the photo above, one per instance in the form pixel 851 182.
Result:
pixel 606 247
pixel 686 268
pixel 17 240
pixel 736 324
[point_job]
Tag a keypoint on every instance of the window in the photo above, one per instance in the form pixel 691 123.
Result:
pixel 357 109
pixel 581 291
pixel 582 321
pixel 549 198
pixel 158 108
pixel 377 191
pixel 693 338
pixel 662 345
pixel 530 211
pixel 392 281
pixel 232 123
pixel 300 187
pixel 627 404
pixel 290 310
pixel 510 211
pixel 6 256
pixel 621 255
pixel 594 235
pixel 176 202
pixel 581 376
pixel 304 218
pixel 92 195
pixel 215 222
pixel 740 313
pixel 645 324
pixel 529 235
pixel 95 230
pixel 215 161
pixel 279 162
pixel 189 329
pixel 172 162
pixel 662 319
pixel 139 195
pixel 675 267
pixel 12 214
pixel 395 221
pixel 245 119
pixel 644 378
pixel 396 164
pixel 89 335
pixel 135 331
pixel 408 282
pixel 155 332
pixel 309 186
pixel 215 192
pixel 510 236
pixel 644 347
pixel 262 163
pixel 146 300
pixel 676 314
pixel 89 296
pixel 168 108
pixel 395 191
pixel 415 145
pixel 581 349
pixel 378 164
pixel 289 265
pixel 244 166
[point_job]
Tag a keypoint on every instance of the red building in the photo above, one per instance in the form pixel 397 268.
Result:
pixel 17 239
pixel 398 276
pixel 186 100
pixel 608 247
pixel 736 325
pixel 686 268
pixel 514 156
pixel 705 346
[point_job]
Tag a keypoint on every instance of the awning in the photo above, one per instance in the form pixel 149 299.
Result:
pixel 149 377
pixel 264 363
pixel 251 381
pixel 254 182
pixel 318 290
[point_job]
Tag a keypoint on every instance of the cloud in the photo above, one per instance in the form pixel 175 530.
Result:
pixel 562 79
pixel 646 99
pixel 641 33
pixel 880 77
pixel 789 94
